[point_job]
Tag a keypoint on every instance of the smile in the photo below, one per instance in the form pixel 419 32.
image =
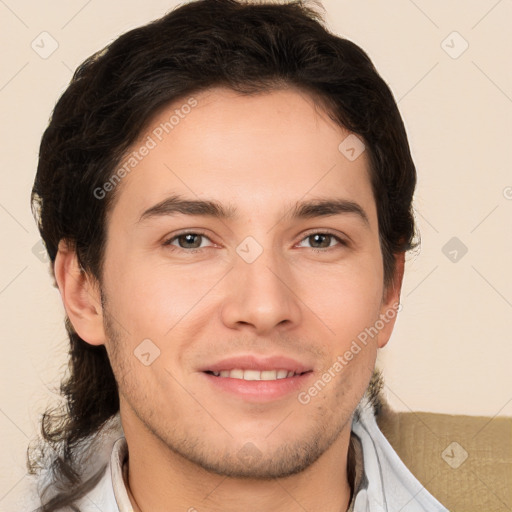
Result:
pixel 238 373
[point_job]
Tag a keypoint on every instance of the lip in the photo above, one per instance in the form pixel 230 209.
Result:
pixel 258 391
pixel 254 362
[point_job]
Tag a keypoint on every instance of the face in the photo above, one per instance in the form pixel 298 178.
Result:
pixel 268 287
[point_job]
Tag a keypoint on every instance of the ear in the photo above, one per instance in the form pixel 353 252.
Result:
pixel 80 294
pixel 391 301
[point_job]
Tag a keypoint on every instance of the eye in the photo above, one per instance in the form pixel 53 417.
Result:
pixel 191 241
pixel 187 240
pixel 323 239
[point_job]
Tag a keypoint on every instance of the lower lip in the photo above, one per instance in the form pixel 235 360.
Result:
pixel 259 390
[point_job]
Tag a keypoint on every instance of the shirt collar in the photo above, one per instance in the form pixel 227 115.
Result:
pixel 380 481
pixel 118 472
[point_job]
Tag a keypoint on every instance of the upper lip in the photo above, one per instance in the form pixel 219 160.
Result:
pixel 253 362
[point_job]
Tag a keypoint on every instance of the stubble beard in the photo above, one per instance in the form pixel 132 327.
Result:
pixel 240 460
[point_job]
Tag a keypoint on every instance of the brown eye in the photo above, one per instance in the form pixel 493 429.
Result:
pixel 323 240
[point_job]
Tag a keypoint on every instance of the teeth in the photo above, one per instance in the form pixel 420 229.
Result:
pixel 255 374
pixel 236 374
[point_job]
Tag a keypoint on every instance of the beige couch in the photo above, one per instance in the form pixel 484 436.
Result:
pixel 464 461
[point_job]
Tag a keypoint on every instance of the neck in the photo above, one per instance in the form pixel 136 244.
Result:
pixel 158 480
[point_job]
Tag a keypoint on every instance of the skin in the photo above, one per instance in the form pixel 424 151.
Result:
pixel 302 298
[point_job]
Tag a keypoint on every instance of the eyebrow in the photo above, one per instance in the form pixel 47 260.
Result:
pixel 325 207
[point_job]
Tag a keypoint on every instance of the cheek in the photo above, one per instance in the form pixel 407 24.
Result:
pixel 152 307
pixel 346 297
pixel 140 290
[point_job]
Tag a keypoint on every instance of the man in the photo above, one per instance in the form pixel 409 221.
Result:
pixel 225 196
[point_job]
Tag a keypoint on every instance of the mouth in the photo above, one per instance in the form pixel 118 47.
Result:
pixel 255 378
pixel 255 375
pixel 257 386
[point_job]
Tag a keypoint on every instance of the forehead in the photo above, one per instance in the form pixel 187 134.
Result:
pixel 254 153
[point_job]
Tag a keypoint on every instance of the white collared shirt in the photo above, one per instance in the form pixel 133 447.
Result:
pixel 386 484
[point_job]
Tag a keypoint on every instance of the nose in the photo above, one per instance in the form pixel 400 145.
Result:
pixel 261 295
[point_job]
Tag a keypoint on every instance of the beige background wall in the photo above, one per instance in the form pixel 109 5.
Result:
pixel 452 348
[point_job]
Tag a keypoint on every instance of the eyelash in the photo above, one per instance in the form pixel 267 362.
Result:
pixel 169 241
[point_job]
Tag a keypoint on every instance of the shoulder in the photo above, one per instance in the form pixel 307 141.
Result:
pixel 95 489
pixel 389 484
